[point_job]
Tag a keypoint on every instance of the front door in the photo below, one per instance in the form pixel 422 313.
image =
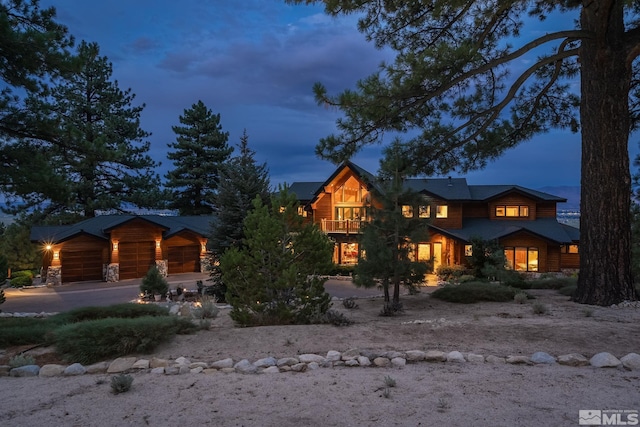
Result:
pixel 437 255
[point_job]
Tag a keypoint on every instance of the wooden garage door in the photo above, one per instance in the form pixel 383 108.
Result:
pixel 79 266
pixel 136 258
pixel 184 259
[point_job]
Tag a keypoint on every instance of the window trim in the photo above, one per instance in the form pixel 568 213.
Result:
pixel 442 211
pixel 510 263
pixel 523 211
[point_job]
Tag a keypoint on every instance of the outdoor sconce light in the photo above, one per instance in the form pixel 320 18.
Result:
pixel 48 247
pixel 115 246
pixel 158 244
pixel 56 255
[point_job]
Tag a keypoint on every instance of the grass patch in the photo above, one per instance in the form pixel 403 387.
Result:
pixel 470 292
pixel 94 340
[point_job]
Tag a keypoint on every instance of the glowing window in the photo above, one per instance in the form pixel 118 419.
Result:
pixel 442 211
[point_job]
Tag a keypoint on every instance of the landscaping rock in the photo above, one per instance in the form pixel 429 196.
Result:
pixel 333 355
pixel 51 370
pixel 196 370
pixel 363 361
pixel 25 371
pixel 158 363
pixel 518 360
pixel 308 358
pixel 266 362
pixel 542 358
pixel 398 362
pixel 573 359
pixel 350 354
pixel 98 368
pixel 287 361
pixel 455 357
pixel 171 370
pixel 121 364
pixel 415 355
pixel 435 356
pixel 299 367
pixel 222 364
pixel 141 364
pixel 271 370
pixel 475 358
pixel 4 370
pixel 313 366
pixel 194 365
pixel 158 370
pixel 631 361
pixel 605 360
pixel 352 363
pixel 381 362
pixel 182 361
pixel 495 359
pixel 245 367
pixel 75 369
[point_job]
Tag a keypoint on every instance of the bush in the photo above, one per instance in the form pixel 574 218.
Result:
pixel 451 273
pixel 121 311
pixel 512 278
pixel 95 340
pixel 471 292
pixel 24 330
pixel 153 283
pixel 336 318
pixel 520 297
pixel 208 308
pixel 121 383
pixel 568 290
pixel 552 282
pixel 540 308
pixel 21 278
pixel 341 270
pixel 21 360
pixel 349 303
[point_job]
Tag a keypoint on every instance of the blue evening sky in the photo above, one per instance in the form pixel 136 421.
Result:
pixel 254 62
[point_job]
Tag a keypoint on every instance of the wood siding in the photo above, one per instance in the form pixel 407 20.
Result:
pixel 513 199
pixel 454 215
pixel 183 253
pixel 546 210
pixel 526 240
pixel 83 258
pixel 475 210
pixel 136 258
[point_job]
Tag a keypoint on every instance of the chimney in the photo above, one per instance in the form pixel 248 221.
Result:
pixel 450 184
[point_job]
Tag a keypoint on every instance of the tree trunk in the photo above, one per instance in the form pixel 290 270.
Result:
pixel 605 230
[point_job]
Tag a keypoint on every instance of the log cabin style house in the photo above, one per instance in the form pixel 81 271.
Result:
pixel 118 247
pixel 522 220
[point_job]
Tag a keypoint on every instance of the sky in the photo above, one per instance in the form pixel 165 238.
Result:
pixel 254 62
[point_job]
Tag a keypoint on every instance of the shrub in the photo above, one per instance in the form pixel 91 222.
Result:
pixel 349 303
pixel 552 282
pixel 391 309
pixel 121 383
pixel 21 360
pixel 341 270
pixel 2 297
pixel 568 290
pixel 520 298
pixel 451 273
pixel 23 331
pixel 21 278
pixel 471 292
pixel 336 318
pixel 153 283
pixel 512 278
pixel 540 308
pixel 121 311
pixel 91 341
pixel 208 308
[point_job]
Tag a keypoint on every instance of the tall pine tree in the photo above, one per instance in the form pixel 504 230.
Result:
pixel 241 180
pixel 100 161
pixel 199 152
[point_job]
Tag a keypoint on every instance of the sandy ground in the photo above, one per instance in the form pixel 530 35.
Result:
pixel 426 394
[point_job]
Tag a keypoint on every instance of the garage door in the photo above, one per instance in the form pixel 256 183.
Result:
pixel 78 266
pixel 136 258
pixel 184 259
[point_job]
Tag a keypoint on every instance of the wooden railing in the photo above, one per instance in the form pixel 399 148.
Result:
pixel 345 226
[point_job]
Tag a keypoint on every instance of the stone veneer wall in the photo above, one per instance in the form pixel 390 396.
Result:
pixel 205 263
pixel 54 275
pixel 111 272
pixel 163 267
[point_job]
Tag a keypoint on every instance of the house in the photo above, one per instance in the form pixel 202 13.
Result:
pixel 118 247
pixel 521 219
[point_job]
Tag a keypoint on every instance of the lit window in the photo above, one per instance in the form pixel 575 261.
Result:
pixel 301 211
pixel 424 211
pixel 570 249
pixel 468 250
pixel 424 252
pixel 407 211
pixel 499 210
pixel 522 259
pixel 441 211
pixel 512 211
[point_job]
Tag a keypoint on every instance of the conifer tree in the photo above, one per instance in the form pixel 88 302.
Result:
pixel 198 154
pixel 273 278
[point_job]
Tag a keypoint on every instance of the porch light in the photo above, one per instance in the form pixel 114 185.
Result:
pixel 56 255
pixel 158 244
pixel 115 246
pixel 48 247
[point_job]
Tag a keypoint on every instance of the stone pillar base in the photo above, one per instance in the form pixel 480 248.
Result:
pixel 54 275
pixel 163 267
pixel 112 273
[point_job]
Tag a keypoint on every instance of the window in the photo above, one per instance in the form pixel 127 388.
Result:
pixel 407 211
pixel 424 252
pixel 349 253
pixel 350 194
pixel 441 211
pixel 521 259
pixel 570 249
pixel 468 250
pixel 302 212
pixel 424 211
pixel 512 211
pixel 350 213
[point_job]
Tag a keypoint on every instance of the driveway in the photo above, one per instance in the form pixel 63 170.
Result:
pixel 82 294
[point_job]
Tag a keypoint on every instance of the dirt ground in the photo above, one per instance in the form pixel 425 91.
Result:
pixel 425 394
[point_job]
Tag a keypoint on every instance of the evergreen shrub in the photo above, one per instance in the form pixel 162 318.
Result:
pixel 471 292
pixel 153 283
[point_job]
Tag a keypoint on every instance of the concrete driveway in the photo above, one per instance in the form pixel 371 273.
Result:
pixel 83 294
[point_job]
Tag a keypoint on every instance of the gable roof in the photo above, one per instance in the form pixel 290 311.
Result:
pixel 487 229
pixel 100 226
pixel 304 191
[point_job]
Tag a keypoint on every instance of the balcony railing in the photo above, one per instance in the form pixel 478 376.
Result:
pixel 345 226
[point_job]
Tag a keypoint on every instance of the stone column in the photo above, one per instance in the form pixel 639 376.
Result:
pixel 112 273
pixel 54 275
pixel 162 265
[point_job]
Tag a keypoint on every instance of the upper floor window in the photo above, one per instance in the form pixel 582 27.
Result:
pixel 424 211
pixel 351 213
pixel 302 212
pixel 350 194
pixel 442 211
pixel 512 211
pixel 407 211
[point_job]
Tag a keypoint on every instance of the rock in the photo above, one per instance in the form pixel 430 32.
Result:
pixel 542 358
pixel 312 366
pixel 352 362
pixel 435 356
pixel 221 364
pixel 195 365
pixel 350 354
pixel 381 361
pixel 182 361
pixel 605 360
pixel 573 359
pixel 141 364
pixel 51 370
pixel 475 358
pixel 455 357
pixel 174 309
pixel 631 361
pixel 341 362
pixel 393 354
pixel 371 354
pixel 299 367
pixel 287 361
pixel 25 371
pixel 415 355
pixel 308 358
pixel 333 355
pixel 398 362
pixel 209 371
pixel 4 370
pixel 363 361
pixel 158 370
pixel 227 370
pixel 121 364
pixel 75 369
pixel 196 370
pixel 495 359
pixel 266 362
pixel 245 367
pixel 183 369
pixel 518 360
pixel 98 368
pixel 271 370
pixel 158 363
pixel 171 370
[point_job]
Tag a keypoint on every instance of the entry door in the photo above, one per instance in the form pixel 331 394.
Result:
pixel 437 255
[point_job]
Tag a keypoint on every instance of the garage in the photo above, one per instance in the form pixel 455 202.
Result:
pixel 184 259
pixel 81 266
pixel 136 258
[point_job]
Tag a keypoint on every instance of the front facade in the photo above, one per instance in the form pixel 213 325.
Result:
pixel 119 247
pixel 522 220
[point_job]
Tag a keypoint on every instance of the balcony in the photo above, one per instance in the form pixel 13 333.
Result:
pixel 348 226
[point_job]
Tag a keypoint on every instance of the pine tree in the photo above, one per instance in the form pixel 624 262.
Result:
pixel 101 160
pixel 273 278
pixel 388 238
pixel 241 180
pixel 199 152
